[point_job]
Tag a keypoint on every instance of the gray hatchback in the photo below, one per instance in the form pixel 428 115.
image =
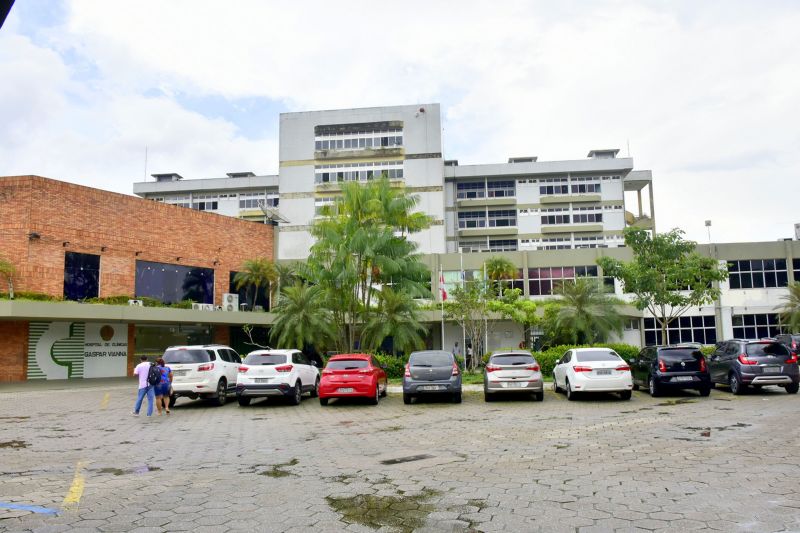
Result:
pixel 431 372
pixel 514 371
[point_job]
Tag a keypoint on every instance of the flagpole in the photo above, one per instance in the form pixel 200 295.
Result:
pixel 463 328
pixel 485 318
pixel 441 298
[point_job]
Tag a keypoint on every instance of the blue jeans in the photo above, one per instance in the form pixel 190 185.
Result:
pixel 151 399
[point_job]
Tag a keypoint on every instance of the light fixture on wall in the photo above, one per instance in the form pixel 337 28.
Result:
pixel 178 258
pixel 103 248
pixel 138 253
pixel 65 244
pixel 32 236
pixel 216 262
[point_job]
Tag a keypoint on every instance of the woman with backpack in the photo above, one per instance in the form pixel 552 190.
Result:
pixel 164 385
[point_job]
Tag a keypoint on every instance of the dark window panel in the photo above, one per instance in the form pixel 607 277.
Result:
pixel 81 276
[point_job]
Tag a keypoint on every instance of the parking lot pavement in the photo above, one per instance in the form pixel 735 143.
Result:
pixel 676 463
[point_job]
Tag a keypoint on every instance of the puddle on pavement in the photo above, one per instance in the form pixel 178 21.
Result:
pixel 14 444
pixel 402 513
pixel 278 470
pixel 407 459
pixel 677 401
pixel 14 418
pixel 393 428
pixel 125 471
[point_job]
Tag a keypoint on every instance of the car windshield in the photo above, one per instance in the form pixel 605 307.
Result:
pixel 681 352
pixel 510 359
pixel 347 364
pixel 431 359
pixel 187 356
pixel 767 349
pixel 265 359
pixel 596 355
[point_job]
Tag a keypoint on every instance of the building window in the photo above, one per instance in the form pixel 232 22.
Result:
pixel 542 281
pixel 324 206
pixel 502 218
pixel 757 273
pixel 180 201
pixel 471 219
pixel 500 189
pixel 756 326
pixel 470 190
pixel 587 218
pixel 585 188
pixel 81 276
pixel 251 200
pixel 341 172
pixel 796 266
pixel 561 216
pixel 702 329
pixel 174 283
pixel 502 245
pixel 556 243
pixel 246 294
pixel 631 324
pixel 519 281
pixel 550 190
pixel 473 245
pixel 372 138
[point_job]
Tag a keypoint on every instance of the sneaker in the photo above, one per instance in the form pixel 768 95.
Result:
pixel 135 413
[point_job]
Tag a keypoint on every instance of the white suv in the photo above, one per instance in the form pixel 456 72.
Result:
pixel 287 373
pixel 207 371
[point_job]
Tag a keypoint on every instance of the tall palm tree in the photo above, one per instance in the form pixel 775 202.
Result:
pixel 396 317
pixel 790 311
pixel 586 313
pixel 256 273
pixel 499 269
pixel 8 271
pixel 302 318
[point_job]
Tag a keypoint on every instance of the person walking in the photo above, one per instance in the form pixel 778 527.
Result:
pixel 143 370
pixel 163 387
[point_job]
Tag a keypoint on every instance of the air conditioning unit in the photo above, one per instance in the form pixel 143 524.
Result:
pixel 230 301
pixel 136 302
pixel 197 307
pixel 208 307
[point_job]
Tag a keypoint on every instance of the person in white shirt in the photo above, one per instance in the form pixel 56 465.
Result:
pixel 141 370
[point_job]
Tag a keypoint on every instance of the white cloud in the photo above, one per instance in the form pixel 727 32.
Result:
pixel 705 93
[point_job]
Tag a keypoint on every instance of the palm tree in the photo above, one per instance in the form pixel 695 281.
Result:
pixel 8 271
pixel 256 273
pixel 302 318
pixel 499 269
pixel 396 317
pixel 790 311
pixel 586 313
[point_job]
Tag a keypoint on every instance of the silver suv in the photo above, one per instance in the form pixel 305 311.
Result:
pixel 205 371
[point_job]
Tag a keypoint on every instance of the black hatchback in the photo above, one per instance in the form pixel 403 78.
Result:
pixel 662 368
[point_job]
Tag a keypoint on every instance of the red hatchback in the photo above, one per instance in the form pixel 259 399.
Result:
pixel 355 375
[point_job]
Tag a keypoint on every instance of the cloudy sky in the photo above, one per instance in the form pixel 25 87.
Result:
pixel 706 94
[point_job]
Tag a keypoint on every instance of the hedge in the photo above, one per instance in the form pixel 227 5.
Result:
pixel 548 358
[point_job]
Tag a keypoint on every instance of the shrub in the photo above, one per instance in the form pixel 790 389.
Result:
pixel 150 302
pixel 120 299
pixel 183 304
pixel 394 365
pixel 708 350
pixel 548 358
pixel 37 296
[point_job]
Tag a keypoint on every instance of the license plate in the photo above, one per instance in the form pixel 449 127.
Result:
pixel 683 378
pixel 179 373
pixel 430 387
pixel 770 369
pixel 345 389
pixel 603 372
pixel 513 384
pixel 263 380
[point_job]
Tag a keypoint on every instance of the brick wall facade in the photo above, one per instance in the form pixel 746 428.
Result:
pixel 119 228
pixel 13 350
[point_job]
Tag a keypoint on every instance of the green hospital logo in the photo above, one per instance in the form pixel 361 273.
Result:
pixel 56 350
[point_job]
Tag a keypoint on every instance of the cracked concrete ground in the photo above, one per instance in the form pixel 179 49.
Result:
pixel 678 463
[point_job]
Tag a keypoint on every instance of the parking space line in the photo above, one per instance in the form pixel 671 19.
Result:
pixel 104 401
pixel 73 497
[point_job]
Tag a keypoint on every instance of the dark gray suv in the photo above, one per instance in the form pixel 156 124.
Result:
pixel 741 363
pixel 431 372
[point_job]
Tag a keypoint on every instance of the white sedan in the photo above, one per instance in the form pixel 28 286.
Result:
pixel 592 370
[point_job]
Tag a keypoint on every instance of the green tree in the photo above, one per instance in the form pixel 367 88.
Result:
pixel 498 270
pixel 256 273
pixel 302 318
pixel 361 245
pixel 790 311
pixel 8 271
pixel 513 307
pixel 585 312
pixel 667 276
pixel 468 306
pixel 396 316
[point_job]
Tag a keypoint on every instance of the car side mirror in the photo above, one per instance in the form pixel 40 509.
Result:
pixel 632 361
pixel 314 363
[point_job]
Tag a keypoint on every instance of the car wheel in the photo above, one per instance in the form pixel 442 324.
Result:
pixel 315 390
pixel 172 400
pixel 487 397
pixel 244 402
pixel 377 396
pixel 297 393
pixel 556 388
pixel 385 390
pixel 538 396
pixel 652 385
pixel 635 386
pixel 705 391
pixel 457 397
pixel 406 399
pixel 736 386
pixel 793 388
pixel 571 395
pixel 625 395
pixel 323 401
pixel 222 392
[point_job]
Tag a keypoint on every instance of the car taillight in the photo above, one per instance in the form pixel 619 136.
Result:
pixel 792 359
pixel 662 366
pixel 745 361
pixel 243 369
pixel 205 367
pixel 283 368
pixel 455 369
pixel 582 368
pixel 702 362
pixel 534 368
pixel 365 370
pixel 408 371
pixel 623 368
pixel 492 368
pixel 327 372
pixel 794 345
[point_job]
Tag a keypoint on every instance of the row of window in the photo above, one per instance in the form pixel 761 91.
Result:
pixel 361 143
pixel 702 329
pixel 493 218
pixel 483 189
pixel 757 273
